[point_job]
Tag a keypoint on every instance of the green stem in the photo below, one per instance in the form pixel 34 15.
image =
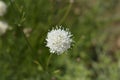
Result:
pixel 48 61
pixel 66 14
pixel 28 43
pixel 19 24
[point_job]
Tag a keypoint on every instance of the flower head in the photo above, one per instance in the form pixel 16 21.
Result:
pixel 3 8
pixel 59 40
pixel 3 27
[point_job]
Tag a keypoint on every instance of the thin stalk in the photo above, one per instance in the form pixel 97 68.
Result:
pixel 48 61
pixel 28 43
pixel 66 14
pixel 21 21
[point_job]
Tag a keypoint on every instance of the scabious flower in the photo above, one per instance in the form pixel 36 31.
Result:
pixel 3 27
pixel 3 8
pixel 59 40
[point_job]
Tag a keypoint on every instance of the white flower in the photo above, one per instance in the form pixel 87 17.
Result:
pixel 3 8
pixel 59 40
pixel 3 27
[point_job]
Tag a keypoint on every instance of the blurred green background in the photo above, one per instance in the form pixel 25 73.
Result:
pixel 95 25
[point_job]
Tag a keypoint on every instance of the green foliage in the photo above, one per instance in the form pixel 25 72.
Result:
pixel 90 58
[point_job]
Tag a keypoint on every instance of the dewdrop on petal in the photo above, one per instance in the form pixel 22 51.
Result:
pixel 3 8
pixel 59 40
pixel 3 27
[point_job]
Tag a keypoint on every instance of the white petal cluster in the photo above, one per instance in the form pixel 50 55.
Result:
pixel 3 8
pixel 59 40
pixel 3 27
